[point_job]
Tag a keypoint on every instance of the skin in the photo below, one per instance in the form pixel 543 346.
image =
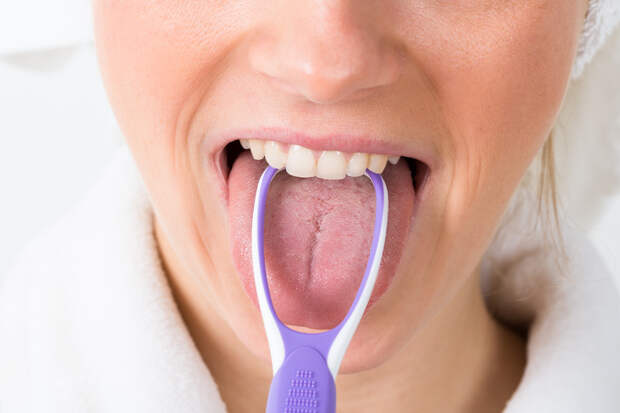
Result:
pixel 477 82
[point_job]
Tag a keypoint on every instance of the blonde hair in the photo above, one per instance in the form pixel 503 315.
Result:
pixel 549 208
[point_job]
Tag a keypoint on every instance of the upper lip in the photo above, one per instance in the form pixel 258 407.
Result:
pixel 337 142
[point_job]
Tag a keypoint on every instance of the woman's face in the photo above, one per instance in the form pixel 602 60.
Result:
pixel 468 88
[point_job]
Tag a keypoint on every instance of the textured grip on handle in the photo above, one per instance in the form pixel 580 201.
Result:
pixel 303 384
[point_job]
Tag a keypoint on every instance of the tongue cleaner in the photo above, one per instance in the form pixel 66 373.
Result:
pixel 305 365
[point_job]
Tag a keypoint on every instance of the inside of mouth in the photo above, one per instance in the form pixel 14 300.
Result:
pixel 316 238
pixel 419 170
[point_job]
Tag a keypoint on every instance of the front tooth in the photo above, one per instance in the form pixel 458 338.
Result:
pixel 393 159
pixel 245 144
pixel 331 165
pixel 377 163
pixel 257 147
pixel 274 154
pixel 300 162
pixel 357 164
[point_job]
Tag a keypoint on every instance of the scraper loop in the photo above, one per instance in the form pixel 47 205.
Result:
pixel 305 365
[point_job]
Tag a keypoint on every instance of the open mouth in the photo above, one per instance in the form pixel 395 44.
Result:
pixel 419 170
pixel 318 223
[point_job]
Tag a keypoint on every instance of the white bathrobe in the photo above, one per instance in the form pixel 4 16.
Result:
pixel 88 323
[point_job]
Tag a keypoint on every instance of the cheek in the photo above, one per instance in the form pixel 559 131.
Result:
pixel 503 81
pixel 157 58
pixel 500 76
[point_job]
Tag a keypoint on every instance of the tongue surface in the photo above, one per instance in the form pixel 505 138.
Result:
pixel 317 238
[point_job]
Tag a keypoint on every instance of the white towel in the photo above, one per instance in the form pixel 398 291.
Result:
pixel 601 19
pixel 88 322
pixel 572 312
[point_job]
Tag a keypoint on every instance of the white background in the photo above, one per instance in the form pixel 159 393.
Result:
pixel 57 134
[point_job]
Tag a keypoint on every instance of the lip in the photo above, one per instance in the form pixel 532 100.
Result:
pixel 333 141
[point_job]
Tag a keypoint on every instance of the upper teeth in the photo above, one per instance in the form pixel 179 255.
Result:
pixel 304 163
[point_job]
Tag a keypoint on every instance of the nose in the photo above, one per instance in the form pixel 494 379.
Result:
pixel 325 50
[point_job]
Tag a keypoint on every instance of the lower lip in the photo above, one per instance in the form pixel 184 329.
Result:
pixel 319 301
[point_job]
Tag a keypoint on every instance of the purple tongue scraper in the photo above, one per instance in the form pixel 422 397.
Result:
pixel 305 365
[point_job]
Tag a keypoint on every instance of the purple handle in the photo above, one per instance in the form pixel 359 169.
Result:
pixel 305 364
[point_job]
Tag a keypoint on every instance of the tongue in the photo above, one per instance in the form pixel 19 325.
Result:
pixel 317 238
